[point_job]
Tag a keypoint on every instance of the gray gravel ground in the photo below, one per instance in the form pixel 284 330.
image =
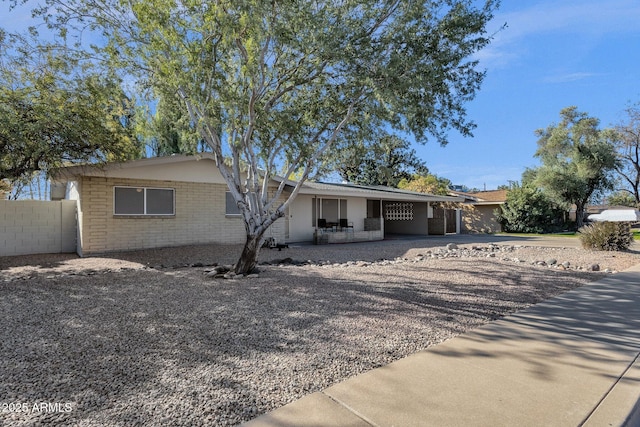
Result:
pixel 138 339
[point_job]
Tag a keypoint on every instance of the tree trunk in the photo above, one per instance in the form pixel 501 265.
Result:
pixel 579 215
pixel 249 258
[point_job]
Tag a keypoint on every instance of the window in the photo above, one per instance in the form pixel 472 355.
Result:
pixel 143 201
pixel 329 209
pixel 231 207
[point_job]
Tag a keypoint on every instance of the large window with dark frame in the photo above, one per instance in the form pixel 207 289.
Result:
pixel 143 201
pixel 231 207
pixel 329 209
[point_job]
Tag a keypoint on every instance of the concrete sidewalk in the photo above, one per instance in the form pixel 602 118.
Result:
pixel 573 360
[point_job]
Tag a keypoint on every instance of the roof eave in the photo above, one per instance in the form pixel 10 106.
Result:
pixel 72 172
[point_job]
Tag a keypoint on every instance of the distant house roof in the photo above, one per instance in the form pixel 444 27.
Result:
pixel 493 197
pixel 499 196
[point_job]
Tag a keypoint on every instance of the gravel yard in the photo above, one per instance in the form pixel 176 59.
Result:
pixel 147 338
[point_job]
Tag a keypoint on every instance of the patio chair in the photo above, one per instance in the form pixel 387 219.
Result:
pixel 345 224
pixel 322 224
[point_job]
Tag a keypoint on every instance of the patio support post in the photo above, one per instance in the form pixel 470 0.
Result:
pixel 444 213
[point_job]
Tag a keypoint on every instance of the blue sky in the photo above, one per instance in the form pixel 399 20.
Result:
pixel 553 54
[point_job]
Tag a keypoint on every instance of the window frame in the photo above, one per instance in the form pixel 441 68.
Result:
pixel 318 208
pixel 144 192
pixel 229 200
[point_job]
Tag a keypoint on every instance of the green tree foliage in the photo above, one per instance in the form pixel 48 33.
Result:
pixel 529 210
pixel 269 83
pixel 628 147
pixel 428 183
pixel 622 198
pixel 53 113
pixel 386 162
pixel 529 177
pixel 577 159
pixel 169 129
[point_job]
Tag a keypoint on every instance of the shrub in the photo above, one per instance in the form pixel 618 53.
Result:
pixel 606 236
pixel 528 210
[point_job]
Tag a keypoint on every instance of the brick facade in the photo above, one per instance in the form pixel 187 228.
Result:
pixel 199 217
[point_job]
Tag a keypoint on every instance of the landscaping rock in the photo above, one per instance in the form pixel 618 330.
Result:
pixel 170 347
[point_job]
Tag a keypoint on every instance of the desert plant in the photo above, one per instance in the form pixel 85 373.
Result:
pixel 606 236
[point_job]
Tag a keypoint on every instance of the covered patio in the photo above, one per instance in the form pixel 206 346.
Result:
pixel 328 213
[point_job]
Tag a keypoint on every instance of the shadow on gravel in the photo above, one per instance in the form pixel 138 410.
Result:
pixel 39 260
pixel 171 347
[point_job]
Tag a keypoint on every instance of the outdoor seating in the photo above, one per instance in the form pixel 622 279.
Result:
pixel 323 225
pixel 345 225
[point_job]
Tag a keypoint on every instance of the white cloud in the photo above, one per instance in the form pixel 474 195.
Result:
pixel 580 18
pixel 569 77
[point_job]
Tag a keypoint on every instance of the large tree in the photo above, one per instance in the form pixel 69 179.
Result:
pixel 428 183
pixel 276 82
pixel 385 161
pixel 168 129
pixel 577 159
pixel 628 145
pixel 51 115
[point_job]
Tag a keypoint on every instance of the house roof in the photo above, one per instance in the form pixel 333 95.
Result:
pixel 192 174
pixel 376 192
pixel 102 169
pixel 493 197
pixel 499 196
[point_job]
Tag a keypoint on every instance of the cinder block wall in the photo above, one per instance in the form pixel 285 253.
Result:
pixel 37 227
pixel 199 218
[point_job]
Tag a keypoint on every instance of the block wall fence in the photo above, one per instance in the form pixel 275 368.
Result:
pixel 37 227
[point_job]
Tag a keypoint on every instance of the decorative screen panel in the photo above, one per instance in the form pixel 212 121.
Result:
pixel 399 212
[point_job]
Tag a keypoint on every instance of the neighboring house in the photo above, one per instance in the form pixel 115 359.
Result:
pixel 478 213
pixel 182 200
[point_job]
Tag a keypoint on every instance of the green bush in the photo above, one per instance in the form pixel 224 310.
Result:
pixel 528 210
pixel 606 236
